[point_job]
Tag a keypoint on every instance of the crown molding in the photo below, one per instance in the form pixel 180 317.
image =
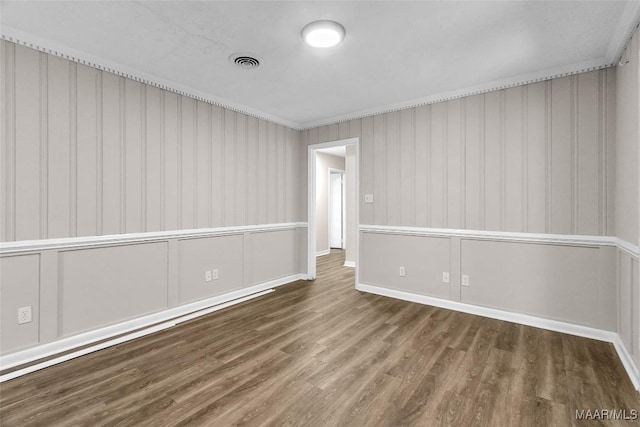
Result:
pixel 538 76
pixel 629 21
pixel 22 38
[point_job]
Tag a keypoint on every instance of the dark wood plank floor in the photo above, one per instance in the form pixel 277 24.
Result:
pixel 322 354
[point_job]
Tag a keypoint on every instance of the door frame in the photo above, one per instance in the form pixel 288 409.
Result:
pixel 311 203
pixel 343 213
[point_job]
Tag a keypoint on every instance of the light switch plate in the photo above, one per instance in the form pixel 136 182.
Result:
pixel 465 280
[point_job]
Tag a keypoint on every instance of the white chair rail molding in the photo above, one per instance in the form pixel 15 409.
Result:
pixel 328 213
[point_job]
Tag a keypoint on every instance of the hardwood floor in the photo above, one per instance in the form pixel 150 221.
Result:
pixel 321 354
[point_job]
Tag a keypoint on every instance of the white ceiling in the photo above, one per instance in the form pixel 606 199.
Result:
pixel 395 54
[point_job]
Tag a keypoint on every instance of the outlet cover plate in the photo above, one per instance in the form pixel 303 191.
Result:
pixel 24 315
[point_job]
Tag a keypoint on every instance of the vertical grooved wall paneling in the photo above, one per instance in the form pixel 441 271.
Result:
pixel 532 158
pixel 7 142
pixel 626 182
pixel 367 170
pixel 627 152
pixel 44 146
pixel 154 160
pixel 27 146
pixel 392 123
pixel 59 168
pixel 85 152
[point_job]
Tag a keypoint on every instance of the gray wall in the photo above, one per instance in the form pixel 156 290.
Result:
pixel 324 162
pixel 103 285
pixel 538 158
pixel 628 194
pixel 20 280
pixel 424 260
pixel 535 158
pixel 81 289
pixel 628 145
pixel 568 283
pixel 628 301
pixel 86 152
pixel 351 208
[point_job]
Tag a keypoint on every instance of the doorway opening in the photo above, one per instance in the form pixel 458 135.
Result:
pixel 333 207
pixel 337 223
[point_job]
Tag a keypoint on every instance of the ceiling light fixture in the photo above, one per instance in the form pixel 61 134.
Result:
pixel 323 34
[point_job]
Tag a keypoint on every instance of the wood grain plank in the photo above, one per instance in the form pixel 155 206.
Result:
pixel 322 353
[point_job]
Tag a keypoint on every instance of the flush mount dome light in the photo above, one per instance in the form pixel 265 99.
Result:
pixel 323 34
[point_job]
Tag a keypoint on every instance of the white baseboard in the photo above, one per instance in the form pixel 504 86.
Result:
pixel 627 361
pixel 124 338
pixel 351 264
pixel 87 338
pixel 524 319
pixel 323 253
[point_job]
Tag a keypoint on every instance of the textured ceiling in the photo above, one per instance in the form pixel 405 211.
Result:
pixel 395 53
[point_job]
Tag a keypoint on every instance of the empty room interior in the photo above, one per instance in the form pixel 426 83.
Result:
pixel 363 213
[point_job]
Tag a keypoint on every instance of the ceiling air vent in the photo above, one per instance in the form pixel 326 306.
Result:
pixel 244 60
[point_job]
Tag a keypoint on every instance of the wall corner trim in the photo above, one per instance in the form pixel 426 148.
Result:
pixel 629 248
pixel 627 361
pixel 523 319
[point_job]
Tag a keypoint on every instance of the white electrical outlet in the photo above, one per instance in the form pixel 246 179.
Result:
pixel 445 277
pixel 465 280
pixel 402 271
pixel 207 276
pixel 368 198
pixel 215 274
pixel 24 315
